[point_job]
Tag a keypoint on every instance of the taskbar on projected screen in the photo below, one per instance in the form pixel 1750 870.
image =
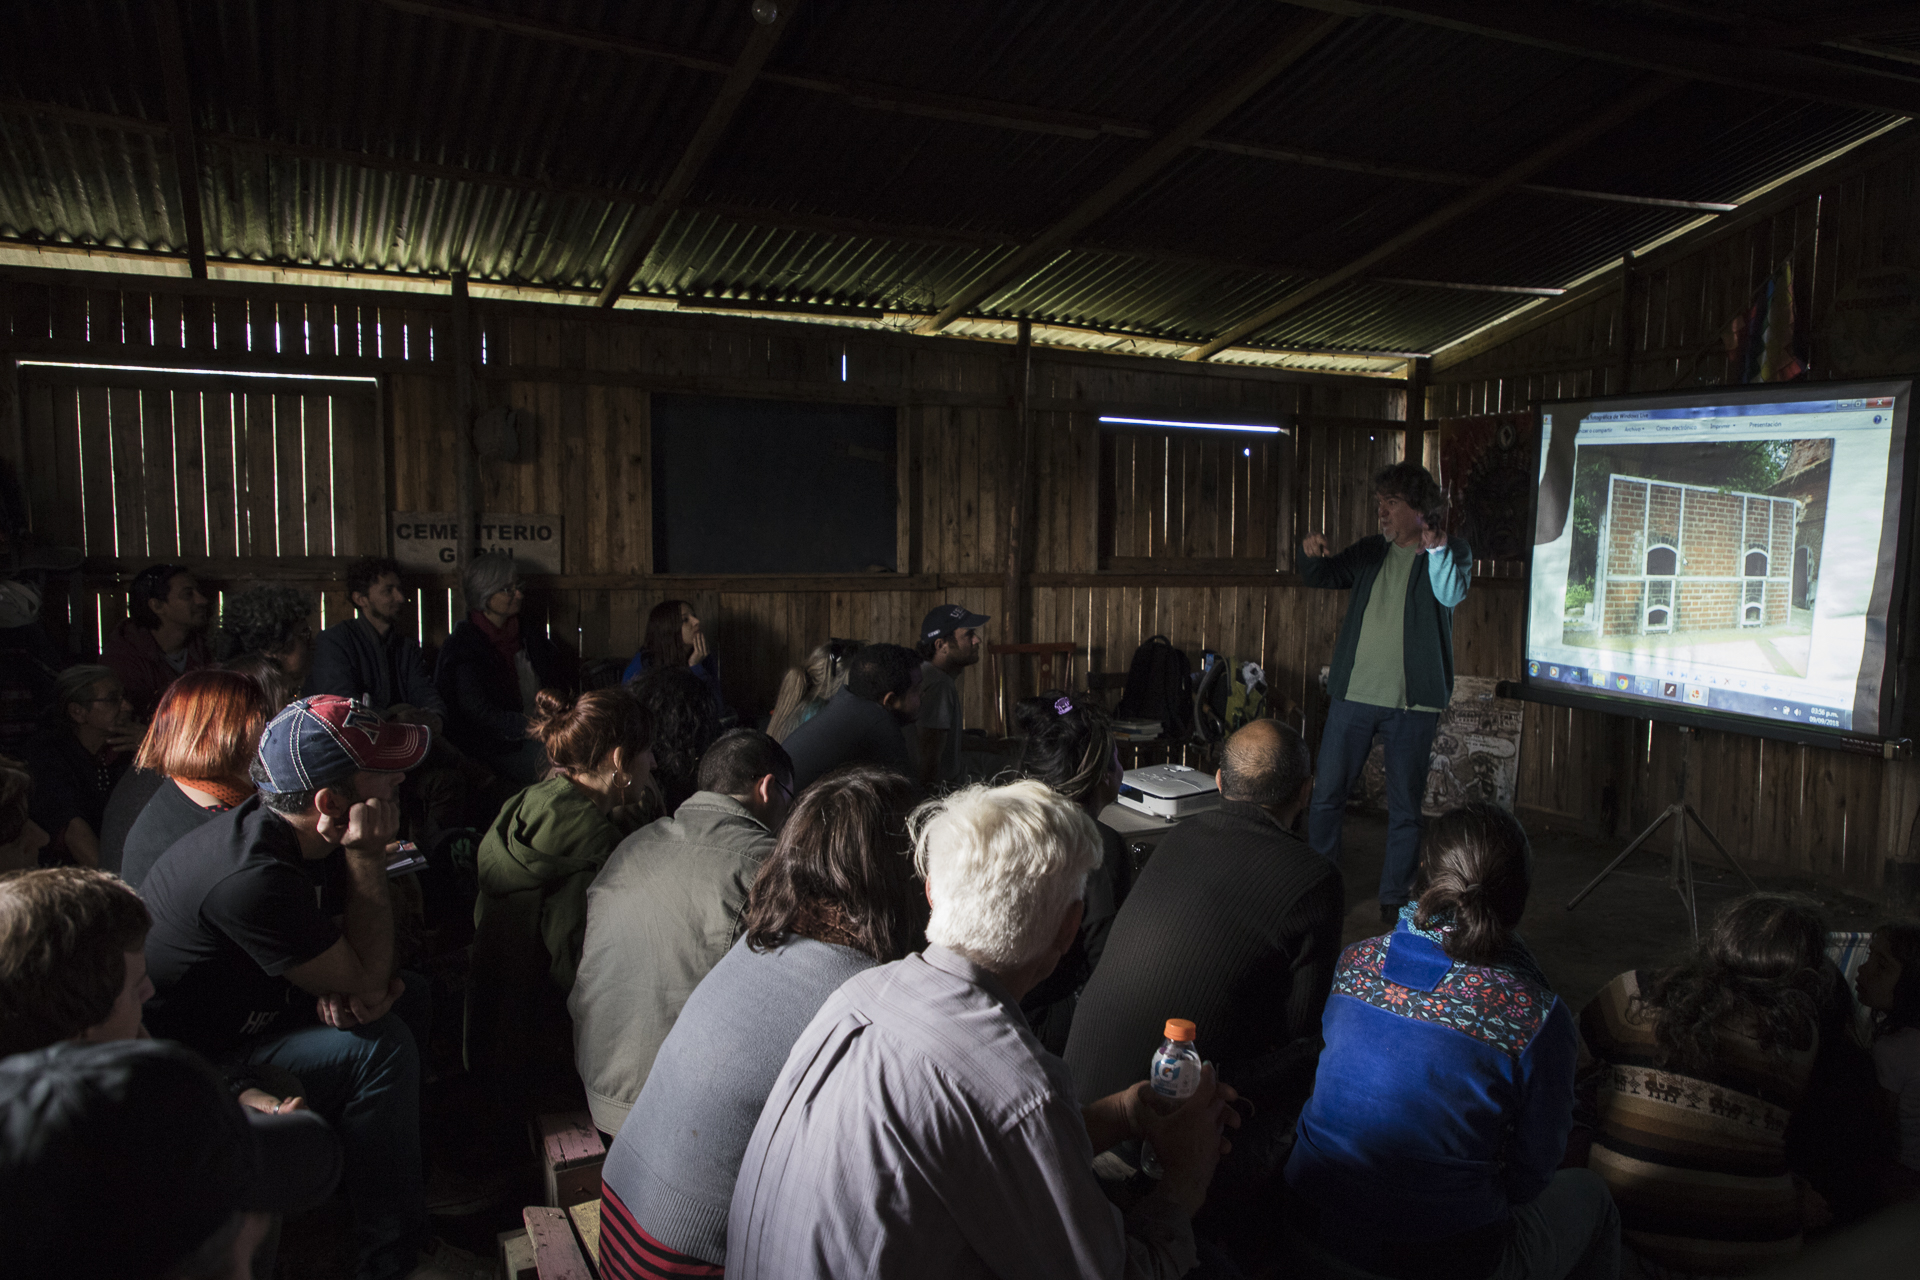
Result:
pixel 1728 694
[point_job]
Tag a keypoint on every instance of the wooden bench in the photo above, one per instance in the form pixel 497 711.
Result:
pixel 571 1154
pixel 556 1253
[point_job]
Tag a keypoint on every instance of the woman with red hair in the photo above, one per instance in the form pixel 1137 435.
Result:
pixel 202 741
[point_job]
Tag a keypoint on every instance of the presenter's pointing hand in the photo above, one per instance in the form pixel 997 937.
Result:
pixel 1316 545
pixel 1432 539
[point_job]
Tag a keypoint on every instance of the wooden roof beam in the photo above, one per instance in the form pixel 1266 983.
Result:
pixel 186 155
pixel 643 230
pixel 1587 32
pixel 1300 38
pixel 1594 127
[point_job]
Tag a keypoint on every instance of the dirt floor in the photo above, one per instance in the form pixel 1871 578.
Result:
pixel 1633 920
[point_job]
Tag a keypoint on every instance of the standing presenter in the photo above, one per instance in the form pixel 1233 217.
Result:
pixel 1392 665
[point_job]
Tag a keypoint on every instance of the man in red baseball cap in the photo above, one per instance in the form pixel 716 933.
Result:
pixel 248 969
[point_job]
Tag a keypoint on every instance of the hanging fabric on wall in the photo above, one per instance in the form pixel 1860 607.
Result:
pixel 1486 472
pixel 1763 343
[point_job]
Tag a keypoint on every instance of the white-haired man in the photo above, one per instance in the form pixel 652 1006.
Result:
pixel 918 1126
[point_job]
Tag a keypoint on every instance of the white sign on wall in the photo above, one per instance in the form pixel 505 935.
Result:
pixel 427 541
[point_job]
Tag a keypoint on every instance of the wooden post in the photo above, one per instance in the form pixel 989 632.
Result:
pixel 466 465
pixel 1629 334
pixel 171 46
pixel 1419 372
pixel 1015 624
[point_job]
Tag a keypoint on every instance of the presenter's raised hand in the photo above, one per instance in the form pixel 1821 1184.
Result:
pixel 1316 546
pixel 1432 539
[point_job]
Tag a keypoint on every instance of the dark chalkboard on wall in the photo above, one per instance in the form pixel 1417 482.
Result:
pixel 766 486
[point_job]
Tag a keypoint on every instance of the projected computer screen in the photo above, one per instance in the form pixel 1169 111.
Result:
pixel 1732 553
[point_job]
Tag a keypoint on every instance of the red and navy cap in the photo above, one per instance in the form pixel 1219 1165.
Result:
pixel 320 740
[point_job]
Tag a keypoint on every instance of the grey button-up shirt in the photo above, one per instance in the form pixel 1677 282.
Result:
pixel 919 1129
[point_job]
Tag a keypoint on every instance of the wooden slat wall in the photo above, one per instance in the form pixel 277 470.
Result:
pixel 585 378
pixel 1842 817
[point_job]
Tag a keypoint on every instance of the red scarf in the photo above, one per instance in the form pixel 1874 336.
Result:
pixel 505 640
pixel 230 792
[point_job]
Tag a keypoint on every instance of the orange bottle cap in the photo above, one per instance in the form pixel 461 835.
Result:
pixel 1180 1029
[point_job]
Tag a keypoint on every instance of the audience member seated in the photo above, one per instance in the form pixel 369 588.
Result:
pixel 684 726
pixel 865 722
pixel 1234 925
pixel 164 635
pixel 201 746
pixel 1445 1092
pixel 949 643
pixel 72 959
pixel 489 670
pixel 674 640
pixel 837 897
pixel 77 759
pixel 21 838
pixel 535 865
pixel 127 1159
pixel 266 673
pixel 248 970
pixel 1889 984
pixel 1068 744
pixel 664 910
pixel 1699 1068
pixel 805 689
pixel 919 1128
pixel 272 620
pixel 372 659
pixel 28 666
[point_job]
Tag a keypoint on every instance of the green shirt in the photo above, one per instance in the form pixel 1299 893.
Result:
pixel 1379 663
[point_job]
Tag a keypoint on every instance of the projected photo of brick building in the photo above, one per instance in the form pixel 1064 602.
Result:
pixel 1681 557
pixel 1724 572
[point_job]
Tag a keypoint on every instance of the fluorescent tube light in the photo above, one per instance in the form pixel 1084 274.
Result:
pixel 1194 426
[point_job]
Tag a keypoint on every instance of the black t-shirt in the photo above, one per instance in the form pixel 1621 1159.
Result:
pixel 233 909
pixel 167 817
pixel 848 730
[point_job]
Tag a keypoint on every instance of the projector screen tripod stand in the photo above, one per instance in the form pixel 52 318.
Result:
pixel 1680 862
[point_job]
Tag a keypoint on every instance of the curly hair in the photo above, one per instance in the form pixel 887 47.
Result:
pixel 685 724
pixel 263 619
pixel 1758 971
pixel 1414 485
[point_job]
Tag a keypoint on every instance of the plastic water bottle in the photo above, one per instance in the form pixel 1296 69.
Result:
pixel 1175 1074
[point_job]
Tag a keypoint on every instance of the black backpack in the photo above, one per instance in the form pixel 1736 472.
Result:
pixel 1158 688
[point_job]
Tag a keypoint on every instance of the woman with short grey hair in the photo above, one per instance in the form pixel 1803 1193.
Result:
pixel 491 667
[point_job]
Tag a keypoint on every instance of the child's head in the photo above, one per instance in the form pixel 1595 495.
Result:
pixel 1889 979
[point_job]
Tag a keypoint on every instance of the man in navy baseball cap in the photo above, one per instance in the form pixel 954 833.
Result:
pixel 249 970
pixel 129 1159
pixel 949 643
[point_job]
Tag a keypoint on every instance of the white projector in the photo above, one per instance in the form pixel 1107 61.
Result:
pixel 1170 791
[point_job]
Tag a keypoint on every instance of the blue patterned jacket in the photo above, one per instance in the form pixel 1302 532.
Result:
pixel 1444 1095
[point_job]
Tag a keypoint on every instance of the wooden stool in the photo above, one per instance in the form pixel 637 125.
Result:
pixel 571 1154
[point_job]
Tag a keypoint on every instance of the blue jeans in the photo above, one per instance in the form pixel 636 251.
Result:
pixel 366 1082
pixel 1408 735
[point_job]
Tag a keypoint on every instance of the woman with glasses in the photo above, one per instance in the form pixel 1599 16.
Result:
pixel 491 667
pixel 77 759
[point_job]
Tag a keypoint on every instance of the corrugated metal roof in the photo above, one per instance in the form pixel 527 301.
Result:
pixel 367 134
